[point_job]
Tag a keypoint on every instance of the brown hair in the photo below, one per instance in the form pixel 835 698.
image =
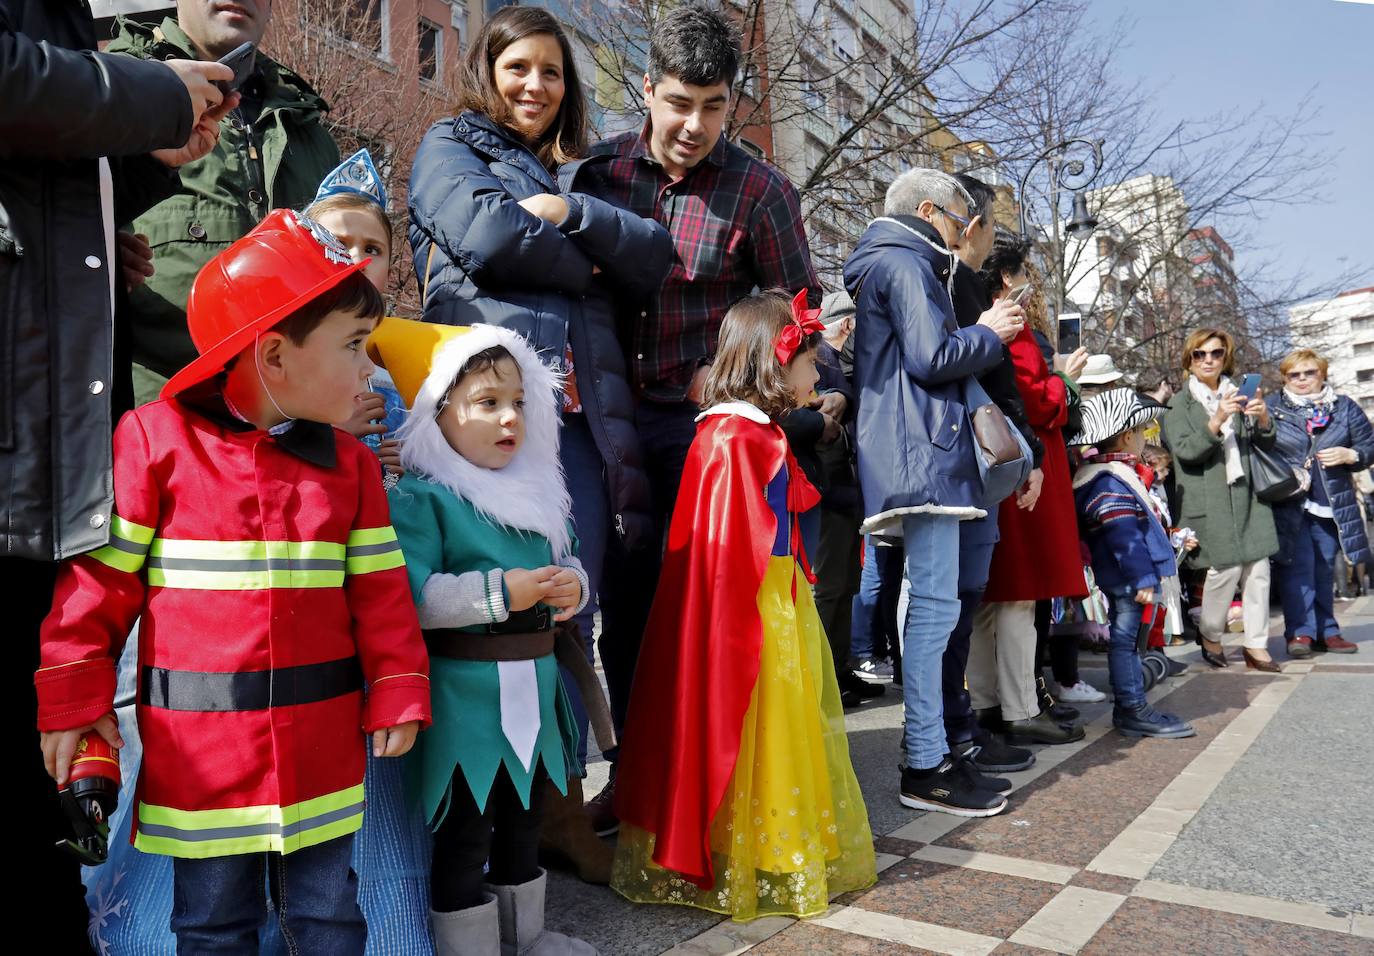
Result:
pixel 1155 453
pixel 348 200
pixel 1199 336
pixel 745 368
pixel 566 137
pixel 355 295
pixel 1302 355
pixel 487 360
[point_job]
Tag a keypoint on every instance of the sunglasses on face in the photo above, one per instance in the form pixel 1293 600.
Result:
pixel 1302 373
pixel 1216 355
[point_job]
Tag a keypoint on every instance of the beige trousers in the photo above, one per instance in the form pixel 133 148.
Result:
pixel 1220 589
pixel 1001 659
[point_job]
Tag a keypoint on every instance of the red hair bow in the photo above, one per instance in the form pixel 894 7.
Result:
pixel 804 322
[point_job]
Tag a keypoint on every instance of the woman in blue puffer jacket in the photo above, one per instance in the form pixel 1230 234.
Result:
pixel 1329 436
pixel 498 240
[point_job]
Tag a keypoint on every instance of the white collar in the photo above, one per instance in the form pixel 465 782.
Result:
pixel 742 409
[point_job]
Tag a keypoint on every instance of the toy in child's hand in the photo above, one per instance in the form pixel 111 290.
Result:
pixel 90 797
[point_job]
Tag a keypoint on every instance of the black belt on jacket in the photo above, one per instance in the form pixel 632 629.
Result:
pixel 565 641
pixel 217 692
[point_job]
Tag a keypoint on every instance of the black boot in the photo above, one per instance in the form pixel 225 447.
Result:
pixel 1145 721
pixel 1043 729
pixel 1049 705
pixel 994 756
pixel 990 719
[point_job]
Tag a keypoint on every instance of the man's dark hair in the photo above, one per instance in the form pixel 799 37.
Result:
pixel 696 43
pixel 981 193
pixel 355 295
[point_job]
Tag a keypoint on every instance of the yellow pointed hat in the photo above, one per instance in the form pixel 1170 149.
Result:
pixel 405 348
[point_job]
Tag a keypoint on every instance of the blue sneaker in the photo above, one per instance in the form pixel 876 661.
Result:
pixel 1145 721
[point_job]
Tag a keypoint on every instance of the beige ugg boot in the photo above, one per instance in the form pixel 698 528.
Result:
pixel 475 931
pixel 520 910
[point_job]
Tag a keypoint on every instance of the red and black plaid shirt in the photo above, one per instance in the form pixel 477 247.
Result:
pixel 736 225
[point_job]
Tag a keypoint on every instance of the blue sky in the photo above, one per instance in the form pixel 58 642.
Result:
pixel 1229 56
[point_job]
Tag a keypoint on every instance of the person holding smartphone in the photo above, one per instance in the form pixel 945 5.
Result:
pixel 1209 428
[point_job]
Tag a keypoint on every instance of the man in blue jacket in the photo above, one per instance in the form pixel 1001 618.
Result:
pixel 917 465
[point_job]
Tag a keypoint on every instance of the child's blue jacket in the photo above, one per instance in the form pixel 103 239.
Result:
pixel 1130 548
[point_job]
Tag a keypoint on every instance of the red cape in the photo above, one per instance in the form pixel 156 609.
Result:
pixel 700 658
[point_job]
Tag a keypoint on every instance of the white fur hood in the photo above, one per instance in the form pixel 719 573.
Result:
pixel 530 493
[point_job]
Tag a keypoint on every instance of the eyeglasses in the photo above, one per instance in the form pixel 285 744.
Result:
pixel 966 223
pixel 1301 373
pixel 1216 355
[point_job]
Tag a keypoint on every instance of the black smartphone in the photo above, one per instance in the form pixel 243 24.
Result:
pixel 1249 383
pixel 1070 334
pixel 240 60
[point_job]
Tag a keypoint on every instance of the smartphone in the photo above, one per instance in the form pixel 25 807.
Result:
pixel 1019 295
pixel 1070 334
pixel 240 60
pixel 1248 385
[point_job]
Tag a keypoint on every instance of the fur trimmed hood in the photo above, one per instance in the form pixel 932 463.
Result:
pixel 530 493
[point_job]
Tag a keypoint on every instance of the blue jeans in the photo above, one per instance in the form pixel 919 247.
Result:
pixel 591 512
pixel 977 539
pixel 932 613
pixel 219 905
pixel 1307 584
pixel 875 607
pixel 1123 649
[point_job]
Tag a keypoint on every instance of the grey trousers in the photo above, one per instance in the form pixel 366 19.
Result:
pixel 1218 592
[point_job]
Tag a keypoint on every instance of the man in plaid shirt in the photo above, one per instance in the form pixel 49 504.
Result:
pixel 736 226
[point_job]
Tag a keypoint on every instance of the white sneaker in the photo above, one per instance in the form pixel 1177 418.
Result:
pixel 1080 693
pixel 875 668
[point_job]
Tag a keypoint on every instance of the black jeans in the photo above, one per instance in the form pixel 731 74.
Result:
pixel 838 564
pixel 629 580
pixel 1060 649
pixel 52 879
pixel 504 832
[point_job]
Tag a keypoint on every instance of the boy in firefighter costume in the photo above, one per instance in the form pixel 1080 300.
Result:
pixel 255 544
pixel 735 792
pixel 483 516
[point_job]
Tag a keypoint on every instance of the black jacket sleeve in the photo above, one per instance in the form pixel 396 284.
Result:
pixel 141 182
pixel 76 104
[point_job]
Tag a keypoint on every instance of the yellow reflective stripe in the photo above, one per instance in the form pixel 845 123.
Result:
pixel 128 545
pixel 205 833
pixel 245 565
pixel 374 549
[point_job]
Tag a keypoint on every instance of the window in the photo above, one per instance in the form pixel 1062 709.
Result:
pixel 844 39
pixel 1362 323
pixel 1364 348
pixel 431 51
pixel 1365 375
pixel 753 149
pixel 458 19
pixel 369 21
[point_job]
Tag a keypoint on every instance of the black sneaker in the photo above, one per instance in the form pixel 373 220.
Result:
pixel 945 789
pixel 849 700
pixel 975 777
pixel 1145 721
pixel 994 756
pixel 867 691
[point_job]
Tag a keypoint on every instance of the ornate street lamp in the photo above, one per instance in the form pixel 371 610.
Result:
pixel 1068 174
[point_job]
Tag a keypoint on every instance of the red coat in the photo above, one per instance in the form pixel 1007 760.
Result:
pixel 1037 552
pixel 700 658
pixel 268 585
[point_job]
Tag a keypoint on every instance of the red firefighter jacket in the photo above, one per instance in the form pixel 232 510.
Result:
pixel 269 585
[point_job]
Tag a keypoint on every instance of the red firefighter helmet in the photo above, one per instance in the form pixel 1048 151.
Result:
pixel 285 262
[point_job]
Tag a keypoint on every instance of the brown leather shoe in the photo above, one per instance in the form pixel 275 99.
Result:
pixel 568 836
pixel 1339 645
pixel 1254 663
pixel 1300 647
pixel 601 809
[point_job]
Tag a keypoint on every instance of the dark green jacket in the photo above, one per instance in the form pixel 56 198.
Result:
pixel 1232 525
pixel 278 162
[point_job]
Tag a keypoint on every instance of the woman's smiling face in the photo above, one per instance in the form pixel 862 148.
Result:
pixel 529 76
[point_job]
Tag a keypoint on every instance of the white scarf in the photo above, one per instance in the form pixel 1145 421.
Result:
pixel 1327 396
pixel 1210 400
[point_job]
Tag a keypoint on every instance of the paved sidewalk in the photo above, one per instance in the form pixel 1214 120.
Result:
pixel 1254 837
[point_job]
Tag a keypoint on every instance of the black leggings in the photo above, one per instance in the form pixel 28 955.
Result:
pixel 505 833
pixel 1061 649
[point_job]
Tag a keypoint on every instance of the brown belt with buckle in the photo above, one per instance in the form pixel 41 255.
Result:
pixel 564 641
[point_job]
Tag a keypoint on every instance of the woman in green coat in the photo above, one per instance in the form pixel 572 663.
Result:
pixel 1209 427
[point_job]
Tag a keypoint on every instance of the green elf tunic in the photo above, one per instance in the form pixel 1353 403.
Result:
pixel 443 534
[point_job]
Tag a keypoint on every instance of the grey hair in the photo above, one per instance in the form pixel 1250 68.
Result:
pixel 915 186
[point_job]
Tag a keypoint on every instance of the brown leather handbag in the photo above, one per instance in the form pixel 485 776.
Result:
pixel 994 435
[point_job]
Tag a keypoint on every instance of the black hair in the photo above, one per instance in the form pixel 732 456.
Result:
pixel 981 193
pixel 696 43
pixel 486 360
pixel 355 295
pixel 1009 254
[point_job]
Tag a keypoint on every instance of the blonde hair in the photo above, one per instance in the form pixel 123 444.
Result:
pixel 1302 355
pixel 1198 337
pixel 745 368
pixel 349 200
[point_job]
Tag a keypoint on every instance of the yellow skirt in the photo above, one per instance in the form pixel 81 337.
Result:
pixel 792 831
